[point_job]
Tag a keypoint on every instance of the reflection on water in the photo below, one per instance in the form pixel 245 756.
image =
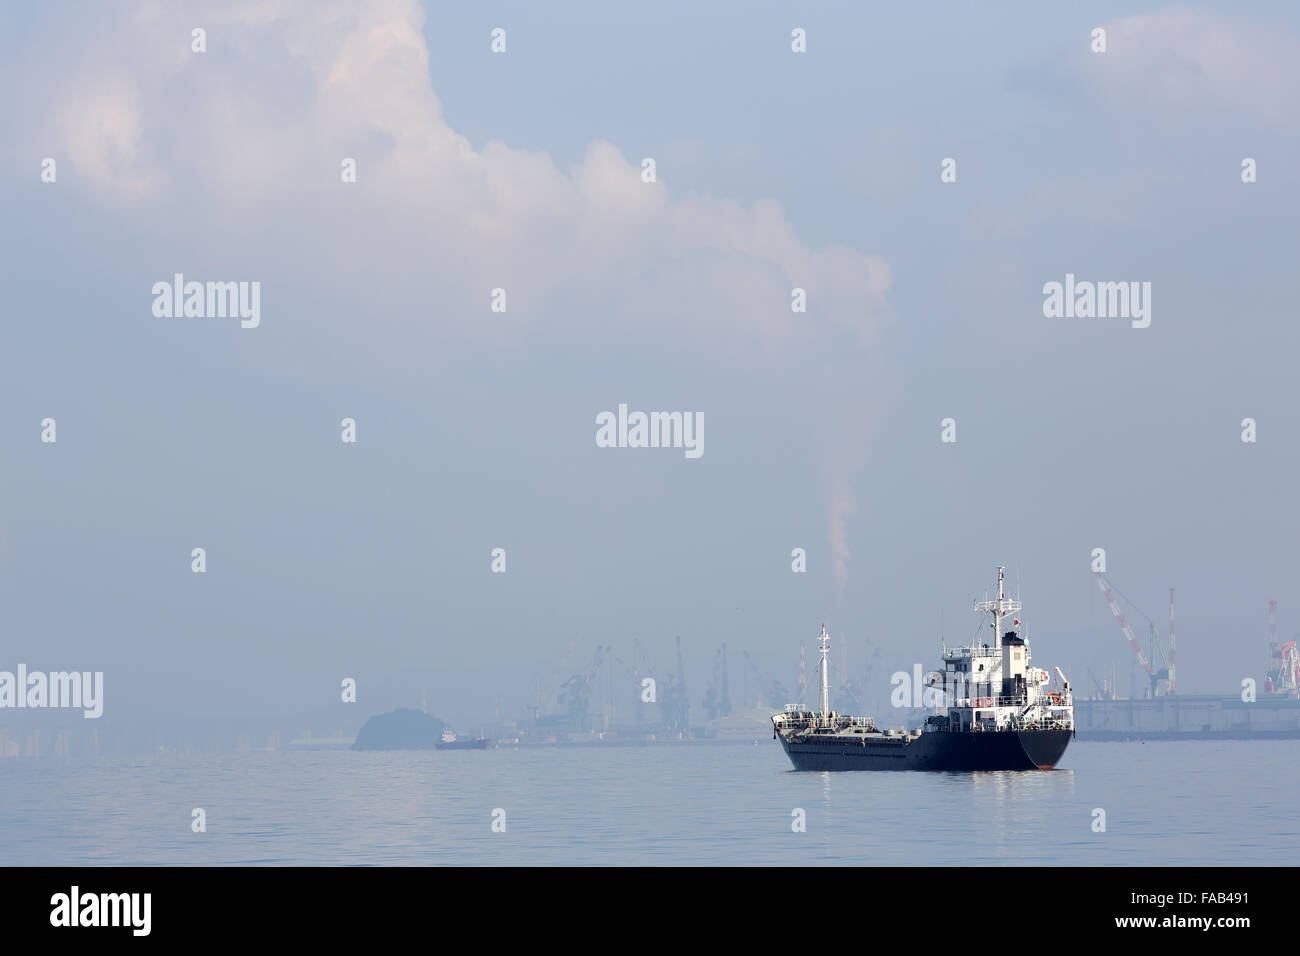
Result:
pixel 689 804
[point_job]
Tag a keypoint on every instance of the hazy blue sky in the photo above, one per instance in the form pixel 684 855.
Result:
pixel 476 429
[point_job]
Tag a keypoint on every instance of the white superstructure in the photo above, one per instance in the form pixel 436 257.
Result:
pixel 993 686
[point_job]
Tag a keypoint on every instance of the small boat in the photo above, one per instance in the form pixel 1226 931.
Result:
pixel 449 741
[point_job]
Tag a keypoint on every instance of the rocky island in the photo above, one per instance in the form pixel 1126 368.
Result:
pixel 401 729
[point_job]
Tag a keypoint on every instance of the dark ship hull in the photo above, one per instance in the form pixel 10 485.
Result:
pixel 480 744
pixel 940 750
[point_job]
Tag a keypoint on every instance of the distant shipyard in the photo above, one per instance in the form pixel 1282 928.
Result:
pixel 618 701
pixel 1159 712
pixel 624 698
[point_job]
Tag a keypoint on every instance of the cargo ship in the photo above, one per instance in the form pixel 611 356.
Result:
pixel 999 713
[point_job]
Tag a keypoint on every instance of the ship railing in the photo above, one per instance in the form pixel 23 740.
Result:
pixel 1010 700
pixel 1023 725
pixel 807 715
pixel 1049 723
pixel 985 702
pixel 1039 721
pixel 972 650
pixel 808 720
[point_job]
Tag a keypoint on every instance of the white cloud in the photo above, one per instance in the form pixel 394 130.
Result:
pixel 101 129
pixel 239 148
pixel 1192 62
pixel 262 120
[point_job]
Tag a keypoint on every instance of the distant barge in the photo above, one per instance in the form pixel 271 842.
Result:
pixel 449 741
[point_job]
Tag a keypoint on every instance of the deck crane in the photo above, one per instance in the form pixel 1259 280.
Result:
pixel 1165 673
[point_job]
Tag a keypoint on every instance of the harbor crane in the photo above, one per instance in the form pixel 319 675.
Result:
pixel 576 691
pixel 1283 661
pixel 717 697
pixel 639 667
pixel 766 693
pixel 1166 652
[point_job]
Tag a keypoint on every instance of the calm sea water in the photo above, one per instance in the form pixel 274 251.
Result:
pixel 1166 803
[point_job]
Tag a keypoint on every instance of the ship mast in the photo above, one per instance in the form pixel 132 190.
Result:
pixel 824 646
pixel 1000 608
